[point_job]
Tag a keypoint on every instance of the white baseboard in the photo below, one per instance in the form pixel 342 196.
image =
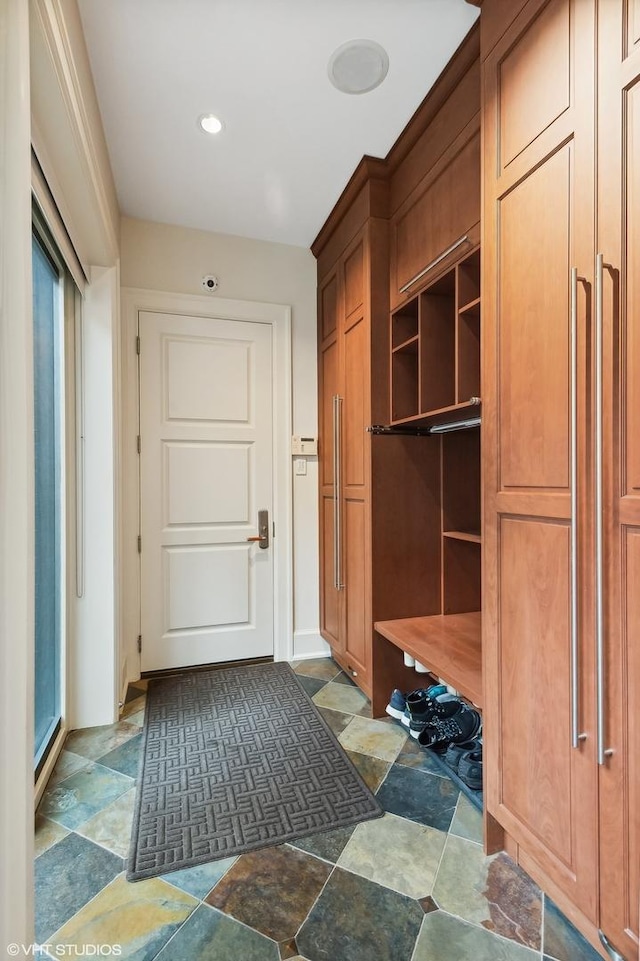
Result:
pixel 308 644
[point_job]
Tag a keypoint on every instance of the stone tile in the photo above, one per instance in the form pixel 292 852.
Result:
pixel 336 720
pixel 396 853
pixel 67 876
pixel 349 700
pixel 413 755
pixel 445 938
pixel 111 827
pixel 493 892
pixel 288 949
pixel 371 769
pixel 47 833
pixel 311 684
pixel 67 764
pixel 134 707
pixel 126 758
pixel 428 904
pixel 271 890
pixel 562 941
pixel 79 797
pixel 137 718
pixel 93 742
pixel 376 738
pixel 420 796
pixel 139 917
pixel 135 689
pixel 200 879
pixel 467 821
pixel 209 935
pixel 329 845
pixel 343 678
pixel 324 668
pixel 357 920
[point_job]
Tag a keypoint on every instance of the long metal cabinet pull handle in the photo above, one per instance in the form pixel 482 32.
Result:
pixel 575 673
pixel 339 584
pixel 335 491
pixel 600 692
pixel 434 263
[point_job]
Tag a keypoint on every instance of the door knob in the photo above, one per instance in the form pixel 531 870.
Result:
pixel 262 539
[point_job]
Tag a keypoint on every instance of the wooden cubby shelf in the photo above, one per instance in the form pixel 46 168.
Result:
pixel 473 537
pixel 447 644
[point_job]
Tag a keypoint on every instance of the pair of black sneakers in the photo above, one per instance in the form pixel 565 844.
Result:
pixel 434 717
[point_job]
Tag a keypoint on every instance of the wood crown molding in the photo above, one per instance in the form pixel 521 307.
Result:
pixel 368 170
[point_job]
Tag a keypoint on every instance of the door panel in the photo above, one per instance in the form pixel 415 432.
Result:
pixel 631 306
pixel 536 70
pixel 533 333
pixel 356 559
pixel 206 484
pixel 205 470
pixel 536 761
pixel 538 223
pixel 619 242
pixel 353 432
pixel 329 596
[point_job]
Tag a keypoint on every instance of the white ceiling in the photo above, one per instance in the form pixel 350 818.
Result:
pixel 291 140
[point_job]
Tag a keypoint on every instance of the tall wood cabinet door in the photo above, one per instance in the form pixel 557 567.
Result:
pixel 538 224
pixel 355 520
pixel 328 377
pixel 619 242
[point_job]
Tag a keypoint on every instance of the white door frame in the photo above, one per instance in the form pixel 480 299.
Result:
pixel 278 316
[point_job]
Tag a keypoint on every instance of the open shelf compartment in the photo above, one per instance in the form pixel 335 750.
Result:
pixel 449 645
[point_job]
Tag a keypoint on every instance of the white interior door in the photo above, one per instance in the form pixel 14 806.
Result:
pixel 205 472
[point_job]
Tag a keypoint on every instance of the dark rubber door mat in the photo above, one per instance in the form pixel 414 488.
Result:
pixel 234 760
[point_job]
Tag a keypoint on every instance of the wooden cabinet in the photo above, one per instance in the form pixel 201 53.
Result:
pixel 345 318
pixel 618 240
pixel 383 547
pixel 561 505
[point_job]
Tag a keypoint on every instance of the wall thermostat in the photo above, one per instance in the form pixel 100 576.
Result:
pixel 210 283
pixel 304 446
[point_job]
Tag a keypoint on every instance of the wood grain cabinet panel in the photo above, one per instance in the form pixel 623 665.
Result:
pixel 562 192
pixel 618 241
pixel 539 146
pixel 630 345
pixel 540 61
pixel 439 215
pixel 533 327
pixel 354 280
pixel 537 783
pixel 355 407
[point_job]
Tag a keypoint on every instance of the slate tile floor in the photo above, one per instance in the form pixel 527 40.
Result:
pixel 413 885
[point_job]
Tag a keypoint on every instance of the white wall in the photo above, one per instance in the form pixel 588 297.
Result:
pixel 16 484
pixel 174 259
pixel 92 671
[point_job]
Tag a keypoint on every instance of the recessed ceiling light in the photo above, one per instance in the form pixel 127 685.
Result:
pixel 358 66
pixel 209 123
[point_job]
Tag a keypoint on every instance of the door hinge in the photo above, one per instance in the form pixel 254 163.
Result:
pixel 138 344
pixel 139 643
pixel 139 543
pixel 273 529
pixel 139 444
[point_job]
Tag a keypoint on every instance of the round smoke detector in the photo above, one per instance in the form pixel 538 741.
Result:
pixel 358 66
